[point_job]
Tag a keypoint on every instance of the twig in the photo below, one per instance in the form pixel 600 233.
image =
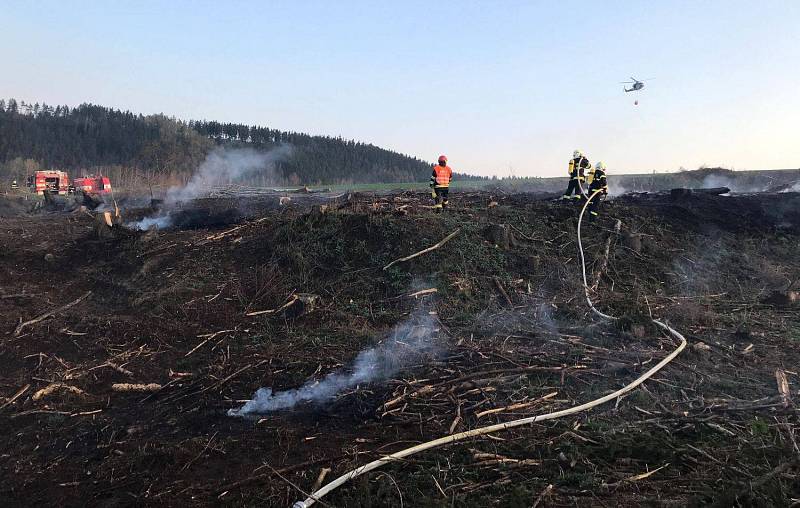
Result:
pixel 16 396
pixel 544 493
pixel 184 468
pixel 424 251
pixel 209 337
pixel 292 298
pixel 46 315
pixel 288 469
pixel 761 480
pixel 321 478
pixel 503 291
pixel 422 292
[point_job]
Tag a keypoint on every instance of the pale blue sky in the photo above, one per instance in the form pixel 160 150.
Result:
pixel 497 86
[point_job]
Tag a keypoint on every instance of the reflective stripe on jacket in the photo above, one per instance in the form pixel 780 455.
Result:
pixel 599 181
pixel 577 166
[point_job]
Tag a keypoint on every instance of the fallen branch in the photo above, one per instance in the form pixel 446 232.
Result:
pixel 474 375
pixel 18 295
pixel 136 387
pixel 46 315
pixel 219 236
pixel 514 407
pixel 424 251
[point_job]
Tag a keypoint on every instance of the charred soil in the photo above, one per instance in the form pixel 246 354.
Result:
pixel 514 333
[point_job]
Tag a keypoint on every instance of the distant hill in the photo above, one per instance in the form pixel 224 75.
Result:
pixel 136 150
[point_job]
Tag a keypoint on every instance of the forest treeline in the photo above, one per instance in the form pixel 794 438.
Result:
pixel 139 150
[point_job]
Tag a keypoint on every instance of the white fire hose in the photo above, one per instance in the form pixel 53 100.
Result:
pixel 375 464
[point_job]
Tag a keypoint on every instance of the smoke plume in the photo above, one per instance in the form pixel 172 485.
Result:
pixel 226 166
pixel 793 188
pixel 408 343
pixel 223 166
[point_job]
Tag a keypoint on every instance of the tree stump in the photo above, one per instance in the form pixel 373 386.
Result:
pixel 501 236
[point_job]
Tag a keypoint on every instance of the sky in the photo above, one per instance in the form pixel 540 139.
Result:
pixel 501 87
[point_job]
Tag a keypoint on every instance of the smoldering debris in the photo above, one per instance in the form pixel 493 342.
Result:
pixel 411 341
pixel 223 166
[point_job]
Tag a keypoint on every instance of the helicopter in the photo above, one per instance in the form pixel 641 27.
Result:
pixel 636 84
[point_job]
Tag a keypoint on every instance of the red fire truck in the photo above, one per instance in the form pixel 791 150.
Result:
pixel 57 182
pixel 93 184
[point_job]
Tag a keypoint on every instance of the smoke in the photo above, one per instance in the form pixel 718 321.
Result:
pixel 223 166
pixel 737 186
pixel 409 341
pixel 615 190
pixel 713 181
pixel 793 188
pixel 226 166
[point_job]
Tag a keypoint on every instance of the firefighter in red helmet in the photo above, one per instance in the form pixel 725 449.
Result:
pixel 440 182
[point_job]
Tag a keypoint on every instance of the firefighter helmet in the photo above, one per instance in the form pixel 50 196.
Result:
pixel 442 158
pixel 600 166
pixel 576 154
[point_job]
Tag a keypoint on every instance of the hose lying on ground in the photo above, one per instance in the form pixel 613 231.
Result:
pixel 375 464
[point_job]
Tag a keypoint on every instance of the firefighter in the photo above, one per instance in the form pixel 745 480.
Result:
pixel 577 167
pixel 440 183
pixel 597 182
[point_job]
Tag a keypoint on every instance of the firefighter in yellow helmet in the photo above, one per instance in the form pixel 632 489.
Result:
pixel 577 168
pixel 597 182
pixel 440 182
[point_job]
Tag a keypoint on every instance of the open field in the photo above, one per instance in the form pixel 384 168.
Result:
pixel 506 334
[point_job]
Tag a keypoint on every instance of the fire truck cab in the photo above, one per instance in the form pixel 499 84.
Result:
pixel 93 184
pixel 57 182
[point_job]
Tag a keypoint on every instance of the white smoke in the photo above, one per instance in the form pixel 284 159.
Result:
pixel 409 341
pixel 160 222
pixel 737 186
pixel 793 188
pixel 223 166
pixel 714 181
pixel 226 166
pixel 615 190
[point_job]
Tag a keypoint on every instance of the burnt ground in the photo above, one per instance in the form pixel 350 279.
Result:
pixel 713 420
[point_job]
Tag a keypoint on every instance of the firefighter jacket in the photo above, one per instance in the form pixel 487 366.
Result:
pixel 441 176
pixel 578 166
pixel 598 182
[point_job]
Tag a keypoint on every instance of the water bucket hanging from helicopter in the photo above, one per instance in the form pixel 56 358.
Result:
pixel 636 85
